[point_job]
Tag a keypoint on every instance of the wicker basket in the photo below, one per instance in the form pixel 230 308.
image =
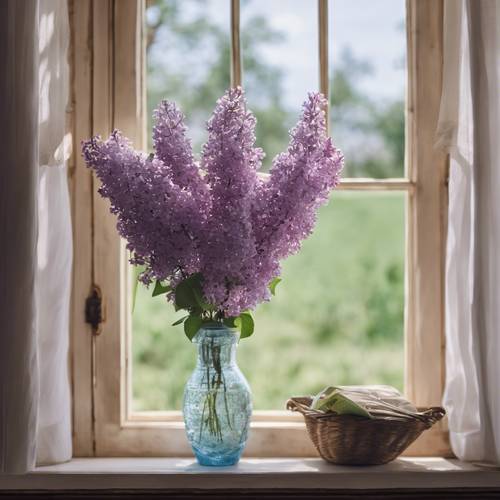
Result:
pixel 355 440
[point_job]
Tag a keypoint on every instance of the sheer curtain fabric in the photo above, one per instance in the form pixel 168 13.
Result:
pixel 469 129
pixel 35 231
pixel 54 250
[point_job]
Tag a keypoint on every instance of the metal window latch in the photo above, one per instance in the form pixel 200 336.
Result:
pixel 93 310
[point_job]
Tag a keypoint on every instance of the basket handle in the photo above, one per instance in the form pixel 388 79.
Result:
pixel 293 405
pixel 433 414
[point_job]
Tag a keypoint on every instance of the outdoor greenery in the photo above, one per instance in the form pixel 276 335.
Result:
pixel 337 317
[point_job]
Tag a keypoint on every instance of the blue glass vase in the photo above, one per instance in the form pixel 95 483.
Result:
pixel 217 399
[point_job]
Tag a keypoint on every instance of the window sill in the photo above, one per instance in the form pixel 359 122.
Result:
pixel 252 473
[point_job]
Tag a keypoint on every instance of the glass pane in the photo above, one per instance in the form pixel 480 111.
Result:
pixel 280 65
pixel 368 82
pixel 162 357
pixel 187 58
pixel 337 317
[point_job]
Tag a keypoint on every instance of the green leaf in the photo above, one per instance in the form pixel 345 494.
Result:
pixel 244 322
pixel 180 320
pixel 229 321
pixel 160 289
pixel 185 298
pixel 192 325
pixel 274 284
pixel 189 295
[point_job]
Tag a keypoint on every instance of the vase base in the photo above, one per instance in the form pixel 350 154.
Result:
pixel 215 460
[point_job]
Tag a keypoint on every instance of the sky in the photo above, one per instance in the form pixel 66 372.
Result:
pixel 372 29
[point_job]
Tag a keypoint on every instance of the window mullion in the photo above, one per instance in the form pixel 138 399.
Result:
pixel 235 44
pixel 324 80
pixel 363 184
pixel 369 184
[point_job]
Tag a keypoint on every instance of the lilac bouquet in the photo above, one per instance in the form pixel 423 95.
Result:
pixel 211 236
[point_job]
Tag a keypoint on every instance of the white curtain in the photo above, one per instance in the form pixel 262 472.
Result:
pixel 35 231
pixel 469 128
pixel 54 256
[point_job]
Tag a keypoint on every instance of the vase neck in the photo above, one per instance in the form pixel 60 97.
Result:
pixel 216 347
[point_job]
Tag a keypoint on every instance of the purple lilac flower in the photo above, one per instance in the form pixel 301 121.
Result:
pixel 223 222
pixel 231 161
pixel 300 181
pixel 160 220
pixel 174 149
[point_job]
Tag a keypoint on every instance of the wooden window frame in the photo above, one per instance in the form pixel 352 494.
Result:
pixel 108 91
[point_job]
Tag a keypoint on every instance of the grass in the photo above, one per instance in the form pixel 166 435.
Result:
pixel 337 317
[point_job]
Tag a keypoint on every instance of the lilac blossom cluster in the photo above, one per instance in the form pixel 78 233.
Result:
pixel 219 219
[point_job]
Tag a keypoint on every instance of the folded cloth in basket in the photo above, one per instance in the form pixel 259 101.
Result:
pixel 372 401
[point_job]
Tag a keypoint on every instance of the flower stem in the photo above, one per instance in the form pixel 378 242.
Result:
pixel 211 356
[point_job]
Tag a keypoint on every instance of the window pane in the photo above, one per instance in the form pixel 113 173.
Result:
pixel 188 48
pixel 280 65
pixel 337 317
pixel 338 314
pixel 368 67
pixel 162 356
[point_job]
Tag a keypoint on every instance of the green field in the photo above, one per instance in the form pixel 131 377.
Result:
pixel 337 317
